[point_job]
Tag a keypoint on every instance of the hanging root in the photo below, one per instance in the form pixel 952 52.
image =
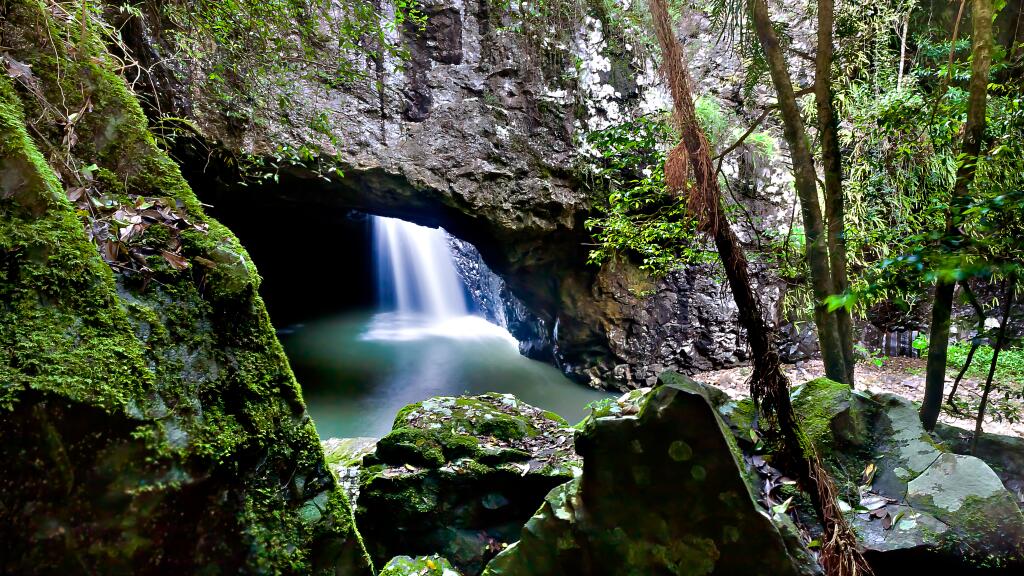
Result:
pixel 840 552
pixel 677 169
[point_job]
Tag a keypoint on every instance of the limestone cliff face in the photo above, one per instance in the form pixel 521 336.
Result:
pixel 479 130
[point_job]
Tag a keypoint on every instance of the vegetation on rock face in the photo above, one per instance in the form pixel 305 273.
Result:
pixel 138 360
pixel 891 172
pixel 421 566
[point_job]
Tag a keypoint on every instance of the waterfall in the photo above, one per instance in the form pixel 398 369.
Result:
pixel 415 270
pixel 420 292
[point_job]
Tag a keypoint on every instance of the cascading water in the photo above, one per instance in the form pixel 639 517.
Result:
pixel 421 341
pixel 419 290
pixel 415 270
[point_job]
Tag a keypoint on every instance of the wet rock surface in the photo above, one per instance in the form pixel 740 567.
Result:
pixel 458 476
pixel 493 298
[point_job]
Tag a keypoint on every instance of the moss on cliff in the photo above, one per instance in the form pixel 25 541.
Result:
pixel 161 398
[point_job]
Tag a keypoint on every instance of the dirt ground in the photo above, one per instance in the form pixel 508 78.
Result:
pixel 902 376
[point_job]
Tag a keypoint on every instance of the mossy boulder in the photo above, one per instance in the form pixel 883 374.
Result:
pixel 831 414
pixel 420 566
pixel 459 476
pixel 661 492
pixel 912 504
pixel 149 422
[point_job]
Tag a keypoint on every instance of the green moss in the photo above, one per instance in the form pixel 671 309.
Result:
pixel 418 447
pixel 61 321
pixel 817 403
pixel 555 418
pixel 420 566
pixel 189 357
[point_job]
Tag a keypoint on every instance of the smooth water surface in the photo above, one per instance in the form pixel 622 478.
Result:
pixel 358 370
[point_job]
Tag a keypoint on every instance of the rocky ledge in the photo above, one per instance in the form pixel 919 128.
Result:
pixel 912 502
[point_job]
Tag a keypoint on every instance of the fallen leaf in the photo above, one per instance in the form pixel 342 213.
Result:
pixel 887 522
pixel 17 69
pixel 111 251
pixel 869 474
pixel 892 521
pixel 177 262
pixel 873 502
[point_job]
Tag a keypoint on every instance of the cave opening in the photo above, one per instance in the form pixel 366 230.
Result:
pixel 335 294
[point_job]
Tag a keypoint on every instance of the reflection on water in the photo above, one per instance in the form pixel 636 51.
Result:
pixel 358 370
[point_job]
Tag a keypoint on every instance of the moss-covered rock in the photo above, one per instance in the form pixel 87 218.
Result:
pixel 912 504
pixel 661 493
pixel 459 476
pixel 831 414
pixel 150 422
pixel 420 566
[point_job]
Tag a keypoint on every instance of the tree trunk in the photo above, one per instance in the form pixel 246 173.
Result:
pixel 974 132
pixel 1011 285
pixel 831 156
pixel 807 191
pixel 769 386
pixel 903 48
pixel 975 342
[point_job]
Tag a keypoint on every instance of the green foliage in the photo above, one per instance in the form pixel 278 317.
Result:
pixel 904 145
pixel 1009 369
pixel 1006 401
pixel 713 120
pixel 636 213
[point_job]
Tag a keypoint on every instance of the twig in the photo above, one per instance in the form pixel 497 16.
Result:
pixel 739 142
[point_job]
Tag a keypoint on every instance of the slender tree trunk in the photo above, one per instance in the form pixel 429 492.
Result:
pixel 807 191
pixel 1011 285
pixel 975 342
pixel 974 131
pixel 831 156
pixel 769 386
pixel 903 48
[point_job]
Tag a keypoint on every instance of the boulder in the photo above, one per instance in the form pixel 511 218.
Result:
pixel 662 491
pixel 912 503
pixel 149 422
pixel 420 566
pixel 459 476
pixel 1005 454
